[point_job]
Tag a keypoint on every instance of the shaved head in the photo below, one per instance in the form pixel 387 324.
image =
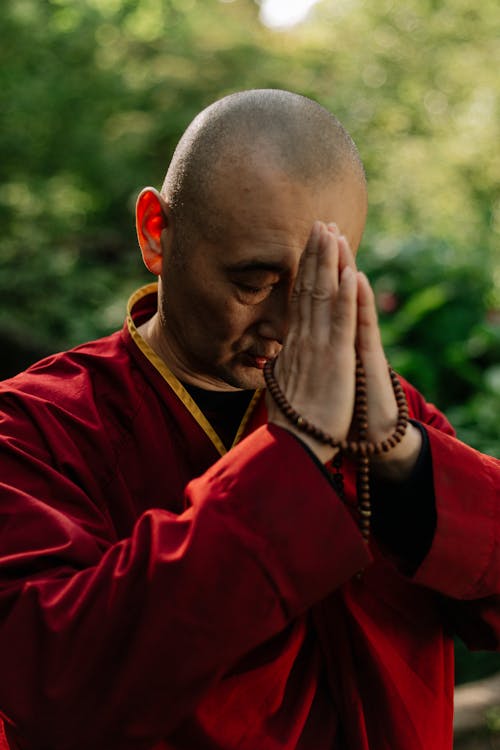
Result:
pixel 250 177
pixel 292 133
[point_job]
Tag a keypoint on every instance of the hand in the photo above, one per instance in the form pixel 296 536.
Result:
pixel 316 367
pixel 332 314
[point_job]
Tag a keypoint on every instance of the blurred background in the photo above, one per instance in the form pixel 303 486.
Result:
pixel 94 95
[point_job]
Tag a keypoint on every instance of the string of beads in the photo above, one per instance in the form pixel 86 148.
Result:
pixel 361 449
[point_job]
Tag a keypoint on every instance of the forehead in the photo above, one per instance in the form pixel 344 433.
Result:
pixel 260 211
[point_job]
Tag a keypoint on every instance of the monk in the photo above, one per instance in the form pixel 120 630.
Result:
pixel 184 567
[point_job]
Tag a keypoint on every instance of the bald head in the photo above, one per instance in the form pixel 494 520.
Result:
pixel 290 132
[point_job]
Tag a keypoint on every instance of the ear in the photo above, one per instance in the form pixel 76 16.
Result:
pixel 151 218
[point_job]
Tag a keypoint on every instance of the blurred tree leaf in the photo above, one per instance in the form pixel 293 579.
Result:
pixel 95 94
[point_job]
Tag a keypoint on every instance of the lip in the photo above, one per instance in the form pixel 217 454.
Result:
pixel 257 360
pixel 261 362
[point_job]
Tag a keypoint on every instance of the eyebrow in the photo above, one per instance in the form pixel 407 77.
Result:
pixel 256 265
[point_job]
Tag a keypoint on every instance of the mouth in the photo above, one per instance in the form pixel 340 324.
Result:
pixel 261 362
pixel 258 361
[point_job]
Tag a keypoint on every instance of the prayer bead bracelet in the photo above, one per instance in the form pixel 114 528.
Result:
pixel 361 449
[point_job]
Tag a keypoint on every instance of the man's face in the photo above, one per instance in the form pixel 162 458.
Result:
pixel 224 305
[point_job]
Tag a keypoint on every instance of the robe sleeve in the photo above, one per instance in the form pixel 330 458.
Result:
pixel 463 562
pixel 109 644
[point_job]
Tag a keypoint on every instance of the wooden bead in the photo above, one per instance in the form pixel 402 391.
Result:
pixel 360 448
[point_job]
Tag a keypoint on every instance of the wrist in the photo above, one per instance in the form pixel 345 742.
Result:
pixel 398 464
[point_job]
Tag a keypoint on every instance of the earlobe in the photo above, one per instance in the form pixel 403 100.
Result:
pixel 151 220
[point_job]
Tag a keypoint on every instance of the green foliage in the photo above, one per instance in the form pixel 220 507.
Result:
pixel 438 330
pixel 493 720
pixel 470 666
pixel 94 95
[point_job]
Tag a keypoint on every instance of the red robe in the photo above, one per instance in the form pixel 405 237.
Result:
pixel 158 592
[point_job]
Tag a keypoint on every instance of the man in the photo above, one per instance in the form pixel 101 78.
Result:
pixel 178 568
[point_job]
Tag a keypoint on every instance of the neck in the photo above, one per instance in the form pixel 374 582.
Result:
pixel 154 335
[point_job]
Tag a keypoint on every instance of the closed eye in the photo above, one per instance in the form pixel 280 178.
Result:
pixel 255 289
pixel 249 294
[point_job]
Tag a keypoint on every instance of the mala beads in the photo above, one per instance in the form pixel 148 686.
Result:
pixel 361 449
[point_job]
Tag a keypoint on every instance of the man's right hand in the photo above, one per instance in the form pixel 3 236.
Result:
pixel 316 367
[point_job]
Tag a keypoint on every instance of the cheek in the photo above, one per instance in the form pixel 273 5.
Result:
pixel 230 319
pixel 228 323
pixel 209 315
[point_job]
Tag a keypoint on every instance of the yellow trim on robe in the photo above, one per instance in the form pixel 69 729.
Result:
pixel 246 417
pixel 175 383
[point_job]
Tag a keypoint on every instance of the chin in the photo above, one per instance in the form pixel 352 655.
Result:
pixel 247 378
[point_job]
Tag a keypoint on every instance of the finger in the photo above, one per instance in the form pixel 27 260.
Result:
pixel 382 408
pixel 307 275
pixel 346 256
pixel 368 334
pixel 343 326
pixel 300 302
pixel 333 236
pixel 294 318
pixel 326 285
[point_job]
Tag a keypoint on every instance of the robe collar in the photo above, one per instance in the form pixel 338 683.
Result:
pixel 141 306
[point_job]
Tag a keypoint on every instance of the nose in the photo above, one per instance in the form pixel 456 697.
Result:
pixel 273 315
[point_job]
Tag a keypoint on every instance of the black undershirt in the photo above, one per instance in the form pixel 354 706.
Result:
pixel 404 513
pixel 223 409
